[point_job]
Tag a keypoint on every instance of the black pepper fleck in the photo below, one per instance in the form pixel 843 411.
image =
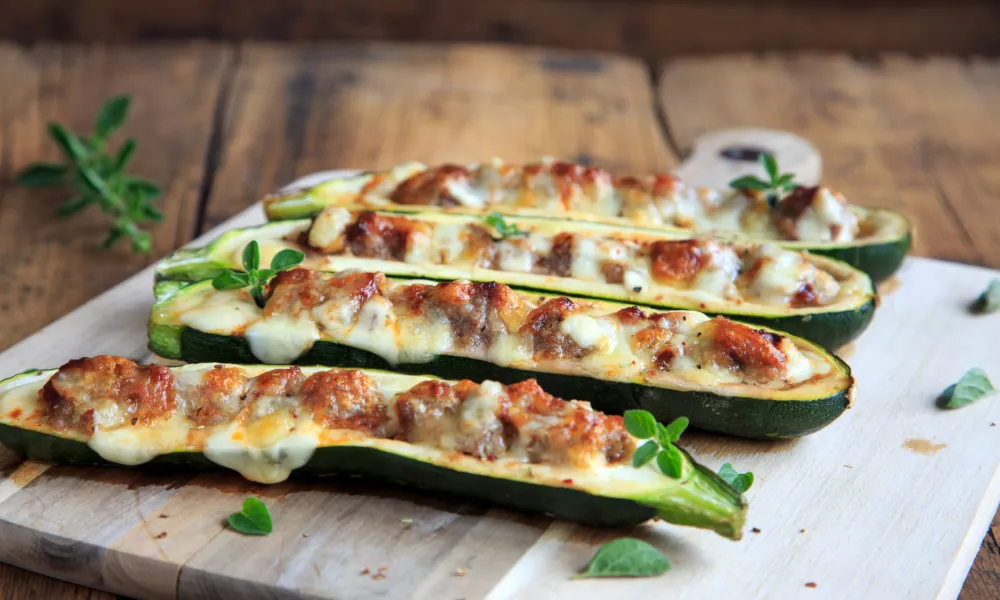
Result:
pixel 755 530
pixel 637 289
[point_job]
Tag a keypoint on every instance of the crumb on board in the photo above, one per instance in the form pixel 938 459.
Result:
pixel 406 522
pixel 367 571
pixel 755 530
pixel 163 516
pixel 380 574
pixel 812 584
pixel 461 572
pixel 803 530
pixel 305 535
pixel 161 536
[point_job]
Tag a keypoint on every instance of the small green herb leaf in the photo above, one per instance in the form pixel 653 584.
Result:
pixel 111 116
pixel 671 461
pixel 673 431
pixel 42 175
pixel 251 256
pixel 124 155
pixel 72 146
pixel 989 300
pixel 645 453
pixel 748 182
pixel 230 280
pixel 974 385
pixel 286 259
pixel 640 424
pixel 770 166
pixel 254 519
pixel 75 205
pixel 626 557
pixel 502 227
pixel 741 482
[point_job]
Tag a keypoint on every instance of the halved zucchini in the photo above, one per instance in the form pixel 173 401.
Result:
pixel 571 192
pixel 269 438
pixel 715 380
pixel 447 247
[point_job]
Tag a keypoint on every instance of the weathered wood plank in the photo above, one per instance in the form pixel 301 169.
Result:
pixel 52 266
pixel 906 133
pixel 296 110
pixel 650 28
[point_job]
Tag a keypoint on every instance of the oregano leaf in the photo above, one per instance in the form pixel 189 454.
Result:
pixel 989 300
pixel 974 385
pixel 254 519
pixel 645 453
pixel 640 424
pixel 626 557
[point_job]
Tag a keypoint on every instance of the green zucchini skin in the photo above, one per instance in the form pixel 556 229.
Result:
pixel 880 261
pixel 705 501
pixel 740 416
pixel 831 328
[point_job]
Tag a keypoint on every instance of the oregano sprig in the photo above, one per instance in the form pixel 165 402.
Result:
pixel 252 275
pixel 776 188
pixel 641 424
pixel 98 177
pixel 502 227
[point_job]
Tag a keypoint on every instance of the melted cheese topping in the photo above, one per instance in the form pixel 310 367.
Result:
pixel 554 187
pixel 267 446
pixel 662 352
pixel 708 274
pixel 281 339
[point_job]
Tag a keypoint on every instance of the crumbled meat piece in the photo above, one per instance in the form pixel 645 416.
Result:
pixel 678 261
pixel 560 259
pixel 80 388
pixel 381 236
pixel 542 324
pixel 346 400
pixel 431 187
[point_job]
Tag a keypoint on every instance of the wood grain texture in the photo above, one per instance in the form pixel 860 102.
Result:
pixel 64 266
pixel 911 134
pixel 648 28
pixel 295 110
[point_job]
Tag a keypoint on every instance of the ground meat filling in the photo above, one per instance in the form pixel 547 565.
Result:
pixel 753 352
pixel 542 325
pixel 218 398
pixel 107 391
pixel 488 421
pixel 346 400
pixel 382 237
pixel 432 187
pixel 678 261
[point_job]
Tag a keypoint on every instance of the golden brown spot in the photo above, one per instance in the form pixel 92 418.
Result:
pixel 679 261
pixel 924 447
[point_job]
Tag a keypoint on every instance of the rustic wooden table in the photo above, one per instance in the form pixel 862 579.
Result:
pixel 220 125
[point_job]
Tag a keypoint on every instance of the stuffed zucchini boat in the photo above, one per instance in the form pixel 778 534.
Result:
pixel 515 445
pixel 816 218
pixel 814 297
pixel 723 375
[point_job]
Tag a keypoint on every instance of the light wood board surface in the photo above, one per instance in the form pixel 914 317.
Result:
pixel 895 481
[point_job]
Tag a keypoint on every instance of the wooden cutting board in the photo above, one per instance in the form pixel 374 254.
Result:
pixel 891 501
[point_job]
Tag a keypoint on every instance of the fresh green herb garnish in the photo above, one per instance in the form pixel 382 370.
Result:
pixel 641 424
pixel 254 519
pixel 973 386
pixel 502 227
pixel 741 482
pixel 989 300
pixel 779 184
pixel 626 557
pixel 253 275
pixel 99 178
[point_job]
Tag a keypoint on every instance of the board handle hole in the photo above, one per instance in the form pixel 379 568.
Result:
pixel 743 153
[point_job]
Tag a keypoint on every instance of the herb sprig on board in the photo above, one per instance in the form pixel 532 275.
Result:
pixel 502 227
pixel 254 519
pixel 777 186
pixel 253 275
pixel 626 557
pixel 641 424
pixel 98 177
